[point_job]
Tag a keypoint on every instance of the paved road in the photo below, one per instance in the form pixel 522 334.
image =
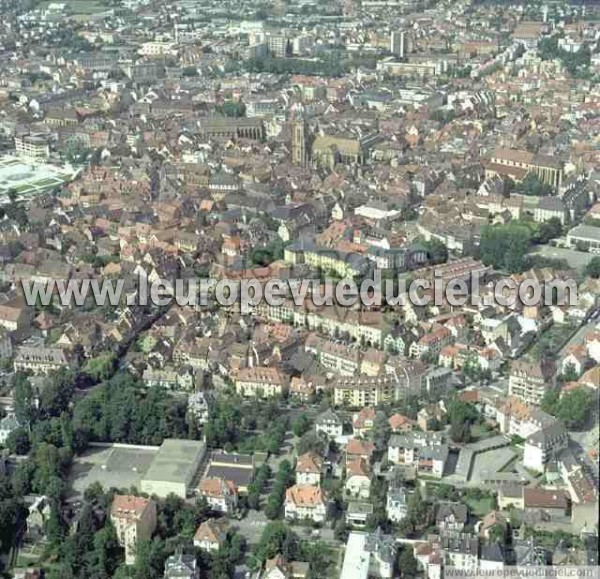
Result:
pixel 251 527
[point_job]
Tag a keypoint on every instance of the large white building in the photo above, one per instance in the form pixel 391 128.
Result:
pixel 544 435
pixel 369 555
pixel 543 444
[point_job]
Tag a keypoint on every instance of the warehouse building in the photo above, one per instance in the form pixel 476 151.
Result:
pixel 174 468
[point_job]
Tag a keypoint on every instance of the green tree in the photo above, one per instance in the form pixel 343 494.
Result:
pixel 497 534
pixel 301 425
pixel 462 416
pixel 574 407
pixel 437 252
pixel 12 513
pixel 106 552
pixel 593 267
pixel 57 393
pixel 406 562
pixel 232 109
pixel 100 367
pixel 283 480
pixel 18 441
pixel 505 246
pixel 150 559
pixel 274 536
pixel 532 185
pixel 381 431
pixel 23 395
pixel 311 441
pixel 550 230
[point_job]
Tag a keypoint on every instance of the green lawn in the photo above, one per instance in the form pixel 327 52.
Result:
pixel 480 507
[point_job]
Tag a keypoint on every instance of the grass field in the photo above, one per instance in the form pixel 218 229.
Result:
pixel 480 507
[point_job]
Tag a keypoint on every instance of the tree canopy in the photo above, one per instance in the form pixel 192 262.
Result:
pixel 505 246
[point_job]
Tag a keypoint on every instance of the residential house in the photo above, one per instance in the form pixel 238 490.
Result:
pixel 592 345
pixel 451 517
pixel 358 478
pixel 460 550
pixel 181 566
pixel 425 451
pixel 396 505
pixel 221 494
pixel 429 557
pixel 431 416
pixel 309 469
pixel 262 382
pixel 493 520
pixel 302 389
pixel 40 360
pixel 542 445
pixel 358 512
pixel 510 496
pixel 431 344
pixel 363 421
pixel 357 448
pixel 134 520
pixel 306 502
pixel 339 358
pixel 330 424
pixel 544 505
pixel 37 518
pixel 400 423
pixel 198 407
pixel 15 316
pixel 531 380
pixel 210 535
pixel 574 359
pixel 279 568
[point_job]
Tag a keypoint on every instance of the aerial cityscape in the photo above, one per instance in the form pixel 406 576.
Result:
pixel 299 289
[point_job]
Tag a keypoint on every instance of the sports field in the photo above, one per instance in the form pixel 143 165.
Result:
pixel 28 177
pixel 83 7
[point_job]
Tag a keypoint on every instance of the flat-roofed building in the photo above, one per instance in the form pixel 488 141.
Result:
pixel 174 468
pixel 233 467
pixel 585 237
pixel 369 555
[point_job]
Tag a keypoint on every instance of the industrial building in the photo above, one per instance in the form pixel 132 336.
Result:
pixel 174 468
